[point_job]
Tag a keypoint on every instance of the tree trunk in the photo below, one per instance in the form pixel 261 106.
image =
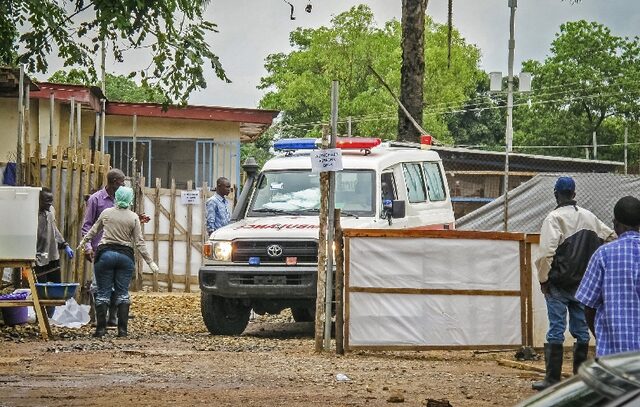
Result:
pixel 412 72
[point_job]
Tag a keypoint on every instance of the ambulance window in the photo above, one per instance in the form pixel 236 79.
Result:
pixel 388 186
pixel 415 182
pixel 435 186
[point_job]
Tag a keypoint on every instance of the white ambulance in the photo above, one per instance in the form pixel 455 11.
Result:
pixel 267 259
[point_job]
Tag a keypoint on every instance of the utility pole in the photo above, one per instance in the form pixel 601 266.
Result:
pixel 330 219
pixel 20 127
pixel 513 4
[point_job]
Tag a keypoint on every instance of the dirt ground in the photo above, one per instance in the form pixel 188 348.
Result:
pixel 170 359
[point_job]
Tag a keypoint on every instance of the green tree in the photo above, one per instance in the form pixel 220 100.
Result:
pixel 299 83
pixel 117 87
pixel 590 76
pixel 173 32
pixel 480 121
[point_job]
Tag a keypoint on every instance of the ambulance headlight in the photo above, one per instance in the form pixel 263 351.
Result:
pixel 222 250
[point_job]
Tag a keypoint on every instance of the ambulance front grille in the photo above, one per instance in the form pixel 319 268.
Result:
pixel 306 251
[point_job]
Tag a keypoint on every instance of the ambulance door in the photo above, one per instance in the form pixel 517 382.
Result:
pixel 415 186
pixel 388 188
pixel 440 209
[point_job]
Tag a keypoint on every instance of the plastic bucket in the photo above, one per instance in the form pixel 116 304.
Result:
pixel 15 315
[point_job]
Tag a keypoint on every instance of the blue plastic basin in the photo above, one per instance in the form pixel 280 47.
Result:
pixel 56 291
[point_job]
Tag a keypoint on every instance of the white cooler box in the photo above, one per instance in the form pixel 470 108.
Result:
pixel 18 222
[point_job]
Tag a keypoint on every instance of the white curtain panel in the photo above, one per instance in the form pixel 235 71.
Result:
pixel 397 319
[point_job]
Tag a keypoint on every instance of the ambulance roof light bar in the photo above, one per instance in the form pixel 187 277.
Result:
pixel 345 143
pixel 357 143
pixel 290 144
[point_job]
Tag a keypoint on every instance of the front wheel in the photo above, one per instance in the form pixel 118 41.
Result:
pixel 303 314
pixel 224 316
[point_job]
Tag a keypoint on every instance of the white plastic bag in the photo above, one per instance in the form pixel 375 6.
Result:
pixel 71 315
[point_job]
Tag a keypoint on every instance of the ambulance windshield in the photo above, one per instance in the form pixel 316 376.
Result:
pixel 297 192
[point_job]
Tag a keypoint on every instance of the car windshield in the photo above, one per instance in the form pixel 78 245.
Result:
pixel 297 192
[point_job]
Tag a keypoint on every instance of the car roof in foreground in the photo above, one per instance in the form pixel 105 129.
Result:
pixel 607 378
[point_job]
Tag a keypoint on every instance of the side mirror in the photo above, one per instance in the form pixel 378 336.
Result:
pixel 398 210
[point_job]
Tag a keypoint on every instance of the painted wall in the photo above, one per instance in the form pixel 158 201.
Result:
pixel 156 127
pixel 9 127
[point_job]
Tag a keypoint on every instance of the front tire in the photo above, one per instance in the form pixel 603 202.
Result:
pixel 303 314
pixel 224 316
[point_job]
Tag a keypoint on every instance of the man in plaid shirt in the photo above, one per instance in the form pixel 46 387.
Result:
pixel 610 289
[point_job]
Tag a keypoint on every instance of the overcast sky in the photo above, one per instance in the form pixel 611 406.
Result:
pixel 249 30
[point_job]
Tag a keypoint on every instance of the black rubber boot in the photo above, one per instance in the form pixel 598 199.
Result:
pixel 113 312
pixel 580 353
pixel 123 319
pixel 553 353
pixel 101 320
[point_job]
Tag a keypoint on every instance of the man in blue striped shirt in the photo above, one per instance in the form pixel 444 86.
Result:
pixel 610 289
pixel 218 210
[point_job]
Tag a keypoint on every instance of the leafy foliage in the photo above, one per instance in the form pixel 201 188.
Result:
pixel 117 87
pixel 587 84
pixel 299 83
pixel 480 121
pixel 173 31
pixel 259 149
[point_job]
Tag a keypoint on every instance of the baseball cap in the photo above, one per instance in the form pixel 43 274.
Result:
pixel 565 184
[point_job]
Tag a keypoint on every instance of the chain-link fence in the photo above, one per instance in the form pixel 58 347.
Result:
pixel 477 181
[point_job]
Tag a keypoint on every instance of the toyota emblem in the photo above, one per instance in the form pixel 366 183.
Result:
pixel 274 250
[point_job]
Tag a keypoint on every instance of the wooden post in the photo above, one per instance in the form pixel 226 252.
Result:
pixel 52 104
pixel 134 163
pixel 95 178
pixel 106 162
pixel 72 120
pixel 69 212
pixel 172 231
pixel 37 163
pixel 331 204
pixel 26 168
pixel 58 194
pixel 203 215
pixel 20 135
pixel 74 205
pixel 48 181
pixel 78 141
pixel 322 253
pixel 103 122
pixel 189 237
pixel 26 117
pixel 339 283
pixel 156 227
pixel 139 208
pixel 85 173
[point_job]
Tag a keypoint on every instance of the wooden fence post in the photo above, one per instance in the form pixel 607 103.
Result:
pixel 74 205
pixel 35 172
pixel 156 227
pixel 187 270
pixel 172 231
pixel 26 173
pixel 58 193
pixel 139 209
pixel 48 181
pixel 339 283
